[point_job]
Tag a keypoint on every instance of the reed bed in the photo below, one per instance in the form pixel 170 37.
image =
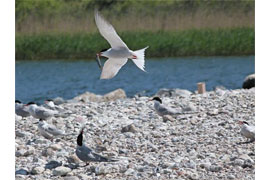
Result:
pixel 193 42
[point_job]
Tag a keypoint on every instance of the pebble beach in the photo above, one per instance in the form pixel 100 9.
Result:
pixel 203 142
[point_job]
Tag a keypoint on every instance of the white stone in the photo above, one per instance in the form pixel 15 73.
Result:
pixel 61 171
pixel 37 170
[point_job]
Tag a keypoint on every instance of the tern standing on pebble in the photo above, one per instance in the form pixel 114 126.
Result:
pixel 163 110
pixel 21 109
pixel 119 53
pixel 49 131
pixel 86 154
pixel 50 105
pixel 247 130
pixel 40 112
pixel 61 112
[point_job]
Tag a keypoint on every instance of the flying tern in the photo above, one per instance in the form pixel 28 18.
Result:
pixel 21 109
pixel 86 154
pixel 119 53
pixel 247 130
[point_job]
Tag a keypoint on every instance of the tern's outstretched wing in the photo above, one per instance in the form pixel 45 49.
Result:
pixel 111 67
pixel 108 32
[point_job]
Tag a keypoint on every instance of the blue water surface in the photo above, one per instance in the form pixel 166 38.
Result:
pixel 40 80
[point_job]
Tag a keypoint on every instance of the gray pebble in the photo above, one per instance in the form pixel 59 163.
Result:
pixel 52 164
pixel 129 172
pixel 21 172
pixel 71 178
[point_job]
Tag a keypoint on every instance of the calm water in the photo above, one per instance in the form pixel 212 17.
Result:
pixel 39 80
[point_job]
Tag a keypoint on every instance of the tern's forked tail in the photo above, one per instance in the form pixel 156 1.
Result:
pixel 139 61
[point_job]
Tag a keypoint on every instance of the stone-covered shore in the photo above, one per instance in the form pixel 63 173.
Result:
pixel 202 144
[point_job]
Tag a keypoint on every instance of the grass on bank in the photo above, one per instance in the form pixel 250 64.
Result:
pixel 211 42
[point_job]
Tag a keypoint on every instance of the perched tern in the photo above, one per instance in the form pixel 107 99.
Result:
pixel 49 104
pixel 40 112
pixel 86 154
pixel 49 131
pixel 60 112
pixel 247 130
pixel 119 53
pixel 161 109
pixel 21 109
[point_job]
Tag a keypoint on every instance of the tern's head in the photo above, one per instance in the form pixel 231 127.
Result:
pixel 80 138
pixel 17 101
pixel 31 103
pixel 157 99
pixel 49 102
pixel 243 122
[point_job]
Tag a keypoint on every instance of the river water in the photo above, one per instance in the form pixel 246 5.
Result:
pixel 40 80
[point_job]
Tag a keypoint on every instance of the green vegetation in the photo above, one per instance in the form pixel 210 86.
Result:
pixel 70 16
pixel 63 29
pixel 239 41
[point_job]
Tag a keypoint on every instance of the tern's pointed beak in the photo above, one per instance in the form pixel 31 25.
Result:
pixel 98 60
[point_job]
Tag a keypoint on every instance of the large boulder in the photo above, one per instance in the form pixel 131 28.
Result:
pixel 181 92
pixel 88 97
pixel 58 100
pixel 164 92
pixel 249 82
pixel 91 97
pixel 116 94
